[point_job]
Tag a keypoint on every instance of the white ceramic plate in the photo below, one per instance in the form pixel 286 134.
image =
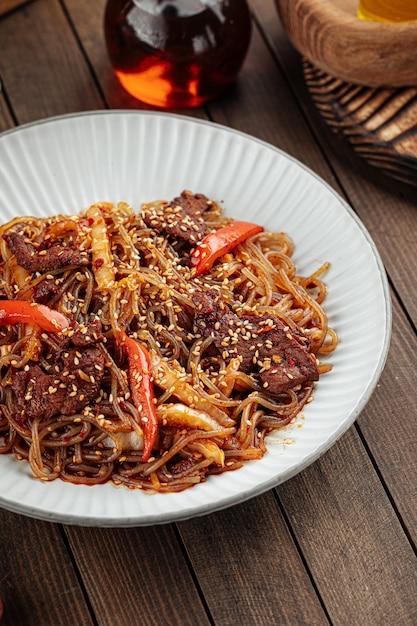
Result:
pixel 65 164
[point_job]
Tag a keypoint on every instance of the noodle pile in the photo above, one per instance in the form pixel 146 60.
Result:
pixel 212 416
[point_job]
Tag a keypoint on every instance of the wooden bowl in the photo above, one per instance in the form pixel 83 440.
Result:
pixel 331 36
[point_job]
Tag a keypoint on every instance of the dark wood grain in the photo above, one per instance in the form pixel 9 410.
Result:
pixel 38 583
pixel 6 119
pixel 43 69
pixel 137 576
pixel 249 567
pixel 389 425
pixel 352 539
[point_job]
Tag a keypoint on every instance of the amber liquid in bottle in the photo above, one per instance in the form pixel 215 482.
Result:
pixel 175 54
pixel 388 10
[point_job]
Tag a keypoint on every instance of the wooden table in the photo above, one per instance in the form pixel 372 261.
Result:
pixel 334 545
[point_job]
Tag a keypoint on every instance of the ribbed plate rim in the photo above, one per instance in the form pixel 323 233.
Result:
pixel 91 519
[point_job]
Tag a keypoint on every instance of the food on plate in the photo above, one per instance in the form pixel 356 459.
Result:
pixel 152 348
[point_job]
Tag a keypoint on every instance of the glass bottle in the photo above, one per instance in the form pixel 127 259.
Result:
pixel 388 10
pixel 176 53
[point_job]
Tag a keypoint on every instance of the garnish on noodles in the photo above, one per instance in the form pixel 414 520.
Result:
pixel 152 348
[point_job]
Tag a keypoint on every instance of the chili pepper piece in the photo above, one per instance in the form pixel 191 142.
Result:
pixel 141 386
pixel 220 242
pixel 15 311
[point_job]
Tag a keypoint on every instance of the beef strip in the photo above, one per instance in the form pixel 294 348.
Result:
pixel 71 383
pixel 44 290
pixel 181 218
pixel 88 334
pixel 43 260
pixel 277 358
pixel 83 335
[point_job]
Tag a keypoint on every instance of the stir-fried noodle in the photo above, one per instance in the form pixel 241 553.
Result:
pixel 164 367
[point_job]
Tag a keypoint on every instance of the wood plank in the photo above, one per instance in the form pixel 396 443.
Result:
pixel 362 563
pixel 249 568
pixel 45 41
pixel 137 576
pixel 389 426
pixel 38 583
pixel 6 119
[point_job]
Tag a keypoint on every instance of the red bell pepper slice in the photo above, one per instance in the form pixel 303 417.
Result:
pixel 220 242
pixel 141 386
pixel 14 311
